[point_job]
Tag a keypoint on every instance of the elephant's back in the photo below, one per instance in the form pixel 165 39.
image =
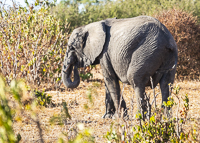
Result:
pixel 127 34
pixel 130 23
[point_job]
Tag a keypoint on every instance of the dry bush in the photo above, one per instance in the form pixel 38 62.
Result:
pixel 186 31
pixel 32 44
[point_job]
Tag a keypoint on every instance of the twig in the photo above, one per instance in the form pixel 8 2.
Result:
pixel 16 47
pixel 154 98
pixel 153 90
pixel 120 101
pixel 56 40
pixel 35 66
pixel 36 120
pixel 1 62
pixel 148 107
pixel 132 107
pixel 5 35
pixel 178 132
pixel 40 130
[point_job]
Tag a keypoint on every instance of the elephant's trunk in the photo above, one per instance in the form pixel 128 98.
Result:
pixel 66 76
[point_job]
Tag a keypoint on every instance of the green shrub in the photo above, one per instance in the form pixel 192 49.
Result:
pixel 83 136
pixel 6 130
pixel 159 128
pixel 42 98
pixel 10 96
pixel 85 76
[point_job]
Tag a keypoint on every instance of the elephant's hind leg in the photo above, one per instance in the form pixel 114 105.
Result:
pixel 138 81
pixel 167 78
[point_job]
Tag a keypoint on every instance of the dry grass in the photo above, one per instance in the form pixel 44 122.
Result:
pixel 91 117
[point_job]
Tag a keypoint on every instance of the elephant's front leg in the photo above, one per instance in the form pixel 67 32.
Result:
pixel 112 89
pixel 110 108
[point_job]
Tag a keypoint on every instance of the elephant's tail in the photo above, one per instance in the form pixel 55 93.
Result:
pixel 173 59
pixel 176 60
pixel 173 47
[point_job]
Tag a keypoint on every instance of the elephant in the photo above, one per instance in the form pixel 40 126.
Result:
pixel 130 50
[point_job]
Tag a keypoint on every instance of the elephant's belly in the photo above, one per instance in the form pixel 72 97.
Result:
pixel 120 62
pixel 121 70
pixel 121 57
pixel 124 79
pixel 155 79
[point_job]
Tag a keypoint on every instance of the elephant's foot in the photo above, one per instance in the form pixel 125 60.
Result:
pixel 115 116
pixel 107 115
pixel 167 111
pixel 124 115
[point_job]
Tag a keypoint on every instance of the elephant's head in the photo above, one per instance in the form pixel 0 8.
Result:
pixel 84 46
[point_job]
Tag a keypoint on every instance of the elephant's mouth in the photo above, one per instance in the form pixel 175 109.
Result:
pixel 66 76
pixel 65 68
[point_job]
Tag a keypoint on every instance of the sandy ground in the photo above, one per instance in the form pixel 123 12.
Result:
pixel 77 100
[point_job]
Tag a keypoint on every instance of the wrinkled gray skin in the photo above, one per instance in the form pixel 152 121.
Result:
pixel 128 50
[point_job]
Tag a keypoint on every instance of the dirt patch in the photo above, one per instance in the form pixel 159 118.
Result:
pixel 77 100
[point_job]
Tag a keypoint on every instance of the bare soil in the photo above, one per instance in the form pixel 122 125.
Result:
pixel 82 110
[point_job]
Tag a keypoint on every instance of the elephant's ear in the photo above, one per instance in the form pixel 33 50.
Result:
pixel 95 36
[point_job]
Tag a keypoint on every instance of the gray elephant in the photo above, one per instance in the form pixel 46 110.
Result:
pixel 129 50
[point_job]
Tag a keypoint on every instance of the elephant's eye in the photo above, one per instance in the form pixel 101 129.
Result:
pixel 72 48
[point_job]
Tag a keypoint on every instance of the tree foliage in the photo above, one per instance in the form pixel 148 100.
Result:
pixel 82 12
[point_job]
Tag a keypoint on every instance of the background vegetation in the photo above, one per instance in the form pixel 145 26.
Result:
pixel 186 31
pixel 81 12
pixel 32 44
pixel 33 41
